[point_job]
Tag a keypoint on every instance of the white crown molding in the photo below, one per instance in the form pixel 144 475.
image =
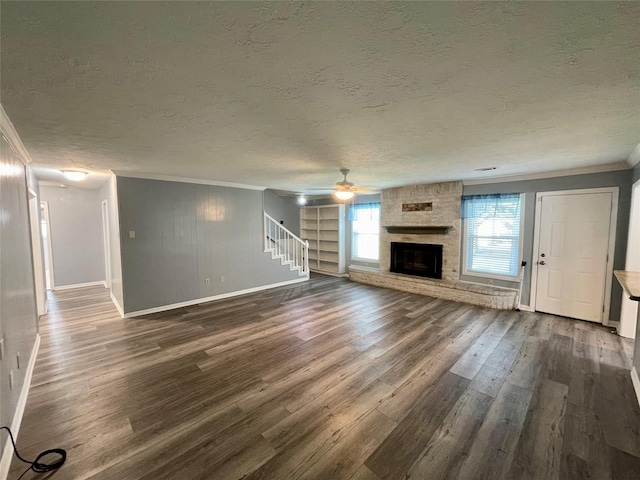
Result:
pixel 10 133
pixel 610 167
pixel 169 178
pixel 634 158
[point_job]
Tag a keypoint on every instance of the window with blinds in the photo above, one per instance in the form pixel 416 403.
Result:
pixel 365 225
pixel 492 229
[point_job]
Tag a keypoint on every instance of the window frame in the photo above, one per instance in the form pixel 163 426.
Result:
pixel 494 276
pixel 353 243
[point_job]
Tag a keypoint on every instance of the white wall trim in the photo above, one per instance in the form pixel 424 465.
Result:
pixel 200 181
pixel 81 285
pixel 7 452
pixel 611 167
pixel 10 133
pixel 613 225
pixel 636 382
pixel 118 307
pixel 211 299
pixel 634 158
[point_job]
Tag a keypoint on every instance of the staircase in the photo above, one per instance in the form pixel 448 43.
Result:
pixel 285 246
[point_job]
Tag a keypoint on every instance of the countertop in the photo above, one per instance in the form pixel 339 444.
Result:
pixel 630 282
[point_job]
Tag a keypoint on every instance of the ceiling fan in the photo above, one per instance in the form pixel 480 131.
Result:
pixel 344 189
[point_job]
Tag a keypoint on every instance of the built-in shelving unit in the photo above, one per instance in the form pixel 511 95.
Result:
pixel 324 228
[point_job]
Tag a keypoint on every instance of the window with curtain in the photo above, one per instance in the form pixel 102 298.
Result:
pixel 492 227
pixel 365 225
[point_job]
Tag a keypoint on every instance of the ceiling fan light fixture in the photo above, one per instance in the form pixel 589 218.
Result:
pixel 343 195
pixel 74 175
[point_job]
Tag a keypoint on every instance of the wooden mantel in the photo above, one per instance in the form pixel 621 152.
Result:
pixel 420 230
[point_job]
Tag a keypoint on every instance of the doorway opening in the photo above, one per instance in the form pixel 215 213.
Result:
pixel 45 231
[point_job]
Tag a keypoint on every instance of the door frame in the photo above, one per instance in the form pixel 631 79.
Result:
pixel 613 222
pixel 106 243
pixel 48 246
pixel 36 252
pixel 628 305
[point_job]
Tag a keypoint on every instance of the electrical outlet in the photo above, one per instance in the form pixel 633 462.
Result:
pixel 207 281
pixel 18 360
pixel 11 380
pixel 221 279
pixel 490 281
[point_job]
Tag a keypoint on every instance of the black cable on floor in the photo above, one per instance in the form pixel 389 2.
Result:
pixel 36 465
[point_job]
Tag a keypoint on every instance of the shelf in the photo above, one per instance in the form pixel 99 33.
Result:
pixel 420 230
pixel 324 228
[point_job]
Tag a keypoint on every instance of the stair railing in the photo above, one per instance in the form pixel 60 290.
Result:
pixel 285 245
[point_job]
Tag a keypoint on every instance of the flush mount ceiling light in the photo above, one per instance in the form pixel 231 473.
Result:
pixel 302 200
pixel 74 175
pixel 344 194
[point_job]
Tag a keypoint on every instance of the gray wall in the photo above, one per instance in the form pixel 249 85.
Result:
pixel 358 199
pixel 185 233
pixel 621 179
pixel 636 173
pixel 18 319
pixel 283 208
pixel 76 234
pixel 109 193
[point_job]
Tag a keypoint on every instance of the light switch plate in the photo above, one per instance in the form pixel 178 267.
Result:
pixel 132 234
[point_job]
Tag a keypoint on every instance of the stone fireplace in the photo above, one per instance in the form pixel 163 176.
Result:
pixel 414 219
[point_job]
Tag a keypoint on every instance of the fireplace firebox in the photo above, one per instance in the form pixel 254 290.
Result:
pixel 419 259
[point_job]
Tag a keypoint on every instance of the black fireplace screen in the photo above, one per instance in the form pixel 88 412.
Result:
pixel 421 259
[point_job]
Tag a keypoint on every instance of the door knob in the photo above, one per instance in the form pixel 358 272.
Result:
pixel 542 262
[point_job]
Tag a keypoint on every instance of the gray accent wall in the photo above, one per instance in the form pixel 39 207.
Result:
pixel 621 179
pixel 283 209
pixel 186 233
pixel 636 173
pixel 18 318
pixel 109 193
pixel 76 235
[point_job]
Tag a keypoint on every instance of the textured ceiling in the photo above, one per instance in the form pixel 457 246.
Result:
pixel 283 94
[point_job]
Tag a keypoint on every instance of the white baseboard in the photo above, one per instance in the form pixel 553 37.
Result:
pixel 118 307
pixel 80 285
pixel 636 382
pixel 196 301
pixel 7 452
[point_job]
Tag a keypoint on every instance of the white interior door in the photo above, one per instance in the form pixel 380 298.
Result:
pixel 572 254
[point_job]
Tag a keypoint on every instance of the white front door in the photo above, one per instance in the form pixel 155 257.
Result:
pixel 572 254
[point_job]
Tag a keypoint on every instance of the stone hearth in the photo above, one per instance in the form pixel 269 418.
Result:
pixel 483 295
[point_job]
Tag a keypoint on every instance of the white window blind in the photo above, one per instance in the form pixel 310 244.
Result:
pixel 492 234
pixel 365 222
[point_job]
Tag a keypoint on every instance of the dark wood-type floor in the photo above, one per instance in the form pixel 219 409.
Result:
pixel 329 380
